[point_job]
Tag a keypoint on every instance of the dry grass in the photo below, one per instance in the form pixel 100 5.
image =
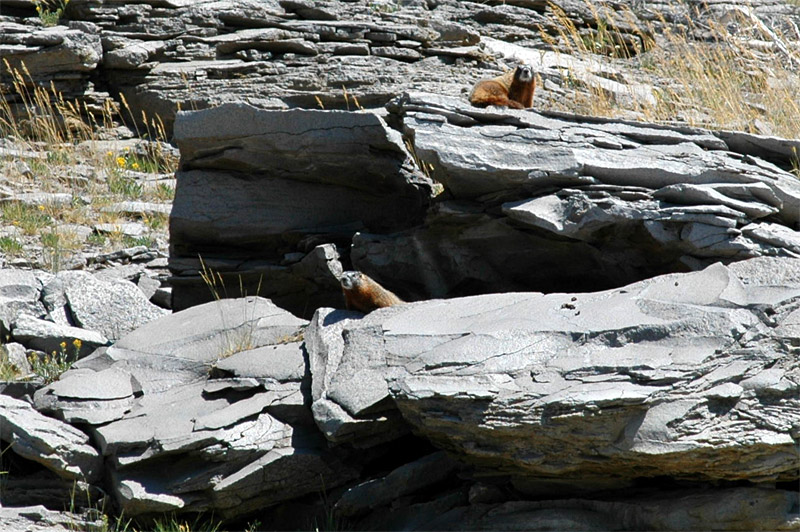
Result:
pixel 744 81
pixel 62 152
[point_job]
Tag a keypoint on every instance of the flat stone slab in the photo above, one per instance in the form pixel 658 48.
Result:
pixel 674 376
pixel 56 445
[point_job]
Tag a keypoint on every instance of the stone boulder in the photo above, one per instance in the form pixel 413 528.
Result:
pixel 683 376
pixel 555 202
pixel 203 410
pixel 54 444
pixel 288 176
pixel 76 309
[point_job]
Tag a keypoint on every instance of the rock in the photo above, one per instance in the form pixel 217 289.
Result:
pixel 15 354
pixel 411 477
pixel 46 336
pixel 625 383
pixel 111 308
pixel 727 509
pixel 340 194
pixel 623 201
pixel 220 391
pixel 48 51
pixel 133 229
pixel 56 445
pixel 138 208
pixel 19 294
pixel 348 389
pixel 88 397
pixel 38 518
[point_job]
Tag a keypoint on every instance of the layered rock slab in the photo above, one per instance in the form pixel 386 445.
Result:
pixel 256 188
pixel 534 201
pixel 56 445
pixel 690 376
pixel 205 409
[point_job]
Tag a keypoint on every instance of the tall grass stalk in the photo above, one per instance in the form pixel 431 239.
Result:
pixel 747 80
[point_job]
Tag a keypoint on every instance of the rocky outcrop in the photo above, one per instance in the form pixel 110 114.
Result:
pixel 585 204
pixel 165 56
pixel 288 180
pixel 668 404
pixel 521 201
pixel 71 312
pixel 205 410
pixel 684 376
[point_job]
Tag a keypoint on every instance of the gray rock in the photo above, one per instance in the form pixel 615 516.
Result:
pixel 687 509
pixel 56 445
pixel 40 519
pixel 46 336
pixel 624 201
pixel 340 194
pixel 648 366
pixel 348 387
pixel 84 396
pixel 132 229
pixel 19 294
pixel 111 308
pixel 220 391
pixel 15 354
pixel 138 208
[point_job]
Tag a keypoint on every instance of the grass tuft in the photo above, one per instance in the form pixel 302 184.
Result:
pixel 747 80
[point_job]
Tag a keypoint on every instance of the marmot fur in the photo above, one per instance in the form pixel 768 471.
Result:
pixel 512 89
pixel 364 294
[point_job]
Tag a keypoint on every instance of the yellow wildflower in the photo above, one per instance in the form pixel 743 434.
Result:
pixel 41 207
pixel 120 161
pixel 63 346
pixel 77 343
pixel 135 166
pixel 110 153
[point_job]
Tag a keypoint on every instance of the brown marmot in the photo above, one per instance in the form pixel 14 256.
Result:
pixel 512 89
pixel 364 294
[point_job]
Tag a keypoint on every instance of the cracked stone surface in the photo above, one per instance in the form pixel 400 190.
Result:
pixel 683 375
pixel 219 390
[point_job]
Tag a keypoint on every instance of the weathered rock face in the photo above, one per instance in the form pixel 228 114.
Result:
pixel 206 409
pixel 689 376
pixel 536 202
pixel 167 56
pixel 250 198
pixel 526 200
pixel 46 312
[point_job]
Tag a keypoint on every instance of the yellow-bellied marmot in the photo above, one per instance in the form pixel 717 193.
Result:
pixel 364 294
pixel 512 89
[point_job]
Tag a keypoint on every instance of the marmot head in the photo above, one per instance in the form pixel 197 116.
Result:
pixel 350 279
pixel 523 73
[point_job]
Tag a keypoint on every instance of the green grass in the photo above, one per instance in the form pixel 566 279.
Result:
pixel 50 11
pixel 172 523
pixel 10 246
pixel 125 186
pixel 8 370
pixel 164 192
pixel 31 219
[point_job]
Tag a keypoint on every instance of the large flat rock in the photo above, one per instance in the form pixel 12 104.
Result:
pixel 254 183
pixel 54 444
pixel 676 376
pixel 221 392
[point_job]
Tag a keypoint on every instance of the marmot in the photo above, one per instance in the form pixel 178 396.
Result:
pixel 364 294
pixel 512 89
